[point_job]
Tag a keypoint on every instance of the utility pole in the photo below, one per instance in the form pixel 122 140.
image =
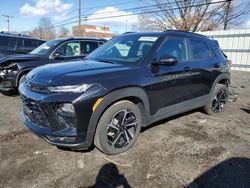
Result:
pixel 79 17
pixel 8 20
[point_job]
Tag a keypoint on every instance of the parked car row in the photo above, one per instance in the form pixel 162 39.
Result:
pixel 129 82
pixel 17 43
pixel 13 69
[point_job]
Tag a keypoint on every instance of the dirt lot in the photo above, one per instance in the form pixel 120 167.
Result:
pixel 192 149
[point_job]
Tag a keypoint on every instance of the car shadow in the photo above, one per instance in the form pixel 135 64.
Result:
pixel 231 173
pixel 109 176
pixel 91 148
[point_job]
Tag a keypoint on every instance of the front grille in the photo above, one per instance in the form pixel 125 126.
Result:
pixel 33 112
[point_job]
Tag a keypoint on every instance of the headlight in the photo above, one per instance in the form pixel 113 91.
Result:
pixel 10 69
pixel 70 89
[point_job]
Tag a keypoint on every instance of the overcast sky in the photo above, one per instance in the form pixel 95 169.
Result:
pixel 27 13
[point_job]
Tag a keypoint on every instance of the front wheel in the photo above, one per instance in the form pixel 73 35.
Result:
pixel 118 128
pixel 217 100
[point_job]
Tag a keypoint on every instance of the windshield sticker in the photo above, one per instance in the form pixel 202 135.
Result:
pixel 152 39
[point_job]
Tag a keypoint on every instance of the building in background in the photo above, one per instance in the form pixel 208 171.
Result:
pixel 92 31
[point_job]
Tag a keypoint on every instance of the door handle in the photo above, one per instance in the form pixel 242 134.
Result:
pixel 187 69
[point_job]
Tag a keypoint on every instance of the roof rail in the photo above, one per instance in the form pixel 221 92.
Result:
pixel 14 34
pixel 128 32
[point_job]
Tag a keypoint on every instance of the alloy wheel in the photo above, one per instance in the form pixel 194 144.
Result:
pixel 122 128
pixel 219 101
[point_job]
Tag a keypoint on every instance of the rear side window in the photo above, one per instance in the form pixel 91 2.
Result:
pixel 30 43
pixel 88 47
pixel 20 44
pixel 4 41
pixel 199 49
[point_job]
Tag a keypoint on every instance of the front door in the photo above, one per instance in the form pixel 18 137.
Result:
pixel 68 51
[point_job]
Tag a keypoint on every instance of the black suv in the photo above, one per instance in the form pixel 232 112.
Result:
pixel 14 68
pixel 130 82
pixel 17 43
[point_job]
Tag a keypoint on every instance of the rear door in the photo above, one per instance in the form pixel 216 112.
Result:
pixel 202 65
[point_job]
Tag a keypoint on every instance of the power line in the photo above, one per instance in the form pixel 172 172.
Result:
pixel 152 11
pixel 8 17
pixel 129 9
pixel 91 8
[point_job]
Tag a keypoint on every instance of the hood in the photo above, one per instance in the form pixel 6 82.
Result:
pixel 18 58
pixel 70 72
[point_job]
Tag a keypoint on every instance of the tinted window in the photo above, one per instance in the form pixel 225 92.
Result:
pixel 4 41
pixel 69 49
pixel 88 47
pixel 30 43
pixel 176 47
pixel 20 44
pixel 199 49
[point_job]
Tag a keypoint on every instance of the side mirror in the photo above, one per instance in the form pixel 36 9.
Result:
pixel 166 60
pixel 57 55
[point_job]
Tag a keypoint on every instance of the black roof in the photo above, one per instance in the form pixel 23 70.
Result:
pixel 7 34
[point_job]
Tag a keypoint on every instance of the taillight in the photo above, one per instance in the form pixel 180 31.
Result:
pixel 229 62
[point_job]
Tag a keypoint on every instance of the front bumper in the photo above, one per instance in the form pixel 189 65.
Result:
pixel 77 137
pixel 59 139
pixel 7 83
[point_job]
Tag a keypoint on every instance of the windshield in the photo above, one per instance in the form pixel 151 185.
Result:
pixel 124 49
pixel 45 47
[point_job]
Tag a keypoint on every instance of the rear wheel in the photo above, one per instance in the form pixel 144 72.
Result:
pixel 118 128
pixel 217 100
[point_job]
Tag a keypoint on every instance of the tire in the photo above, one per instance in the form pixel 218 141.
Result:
pixel 218 100
pixel 111 136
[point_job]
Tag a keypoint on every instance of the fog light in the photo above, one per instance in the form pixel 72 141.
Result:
pixel 66 109
pixel 65 113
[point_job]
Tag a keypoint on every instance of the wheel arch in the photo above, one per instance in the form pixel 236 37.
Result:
pixel 134 94
pixel 20 74
pixel 221 79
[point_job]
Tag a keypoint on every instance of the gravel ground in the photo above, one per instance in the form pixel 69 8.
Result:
pixel 188 150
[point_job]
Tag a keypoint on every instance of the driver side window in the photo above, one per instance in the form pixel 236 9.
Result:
pixel 176 47
pixel 69 49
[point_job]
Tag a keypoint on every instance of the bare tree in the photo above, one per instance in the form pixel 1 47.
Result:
pixel 46 29
pixel 63 32
pixel 187 15
pixel 233 12
pixel 145 23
